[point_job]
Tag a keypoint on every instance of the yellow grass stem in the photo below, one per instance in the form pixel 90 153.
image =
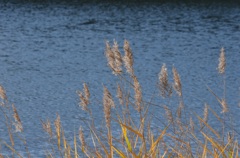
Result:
pixel 208 126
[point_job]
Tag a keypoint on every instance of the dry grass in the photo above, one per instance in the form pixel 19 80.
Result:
pixel 179 132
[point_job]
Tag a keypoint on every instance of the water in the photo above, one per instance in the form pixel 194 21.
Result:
pixel 48 50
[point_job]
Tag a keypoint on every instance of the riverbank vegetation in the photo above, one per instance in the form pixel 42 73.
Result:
pixel 131 125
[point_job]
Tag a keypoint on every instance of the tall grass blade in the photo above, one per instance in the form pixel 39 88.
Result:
pixel 13 150
pixel 153 147
pixel 100 142
pixel 208 126
pixel 120 153
pixel 132 130
pixel 214 144
pixel 124 130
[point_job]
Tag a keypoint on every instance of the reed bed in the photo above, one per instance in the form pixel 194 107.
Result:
pixel 177 135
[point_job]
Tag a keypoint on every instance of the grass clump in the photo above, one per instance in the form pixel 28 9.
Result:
pixel 175 135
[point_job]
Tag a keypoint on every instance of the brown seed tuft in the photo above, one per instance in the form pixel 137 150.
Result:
pixel 177 82
pixel 57 124
pixel 110 56
pixel 47 127
pixel 86 92
pixel 119 94
pixel 18 123
pixel 83 102
pixel 3 93
pixel 169 114
pixel 128 58
pixel 81 138
pixel 84 97
pixel 179 110
pixel 222 62
pixel 117 57
pixel 107 104
pixel 165 87
pixel 224 106
pixel 138 93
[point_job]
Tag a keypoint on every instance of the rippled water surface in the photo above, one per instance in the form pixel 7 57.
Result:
pixel 48 50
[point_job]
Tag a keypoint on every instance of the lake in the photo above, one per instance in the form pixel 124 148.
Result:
pixel 47 50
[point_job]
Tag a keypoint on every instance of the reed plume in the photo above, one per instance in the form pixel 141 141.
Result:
pixel 110 56
pixel 82 139
pixel 3 93
pixel 118 58
pixel 86 92
pixel 179 110
pixel 168 113
pixel 84 97
pixel 57 124
pixel 120 94
pixel 107 104
pixel 222 62
pixel 47 127
pixel 165 87
pixel 83 100
pixel 128 58
pixel 138 93
pixel 18 123
pixel 224 106
pixel 177 82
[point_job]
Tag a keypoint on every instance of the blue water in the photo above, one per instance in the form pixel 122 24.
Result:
pixel 48 50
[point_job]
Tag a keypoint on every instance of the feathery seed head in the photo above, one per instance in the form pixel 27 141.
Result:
pixel 222 62
pixel 3 93
pixel 179 110
pixel 177 82
pixel 84 97
pixel 107 104
pixel 224 106
pixel 165 87
pixel 110 56
pixel 83 101
pixel 169 114
pixel 57 124
pixel 86 92
pixel 118 58
pixel 47 127
pixel 18 123
pixel 81 138
pixel 138 93
pixel 128 58
pixel 120 94
pixel 205 117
